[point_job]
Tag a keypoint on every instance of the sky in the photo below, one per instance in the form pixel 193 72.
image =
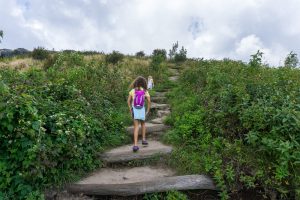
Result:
pixel 212 29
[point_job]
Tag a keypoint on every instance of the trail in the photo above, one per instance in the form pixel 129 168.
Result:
pixel 119 178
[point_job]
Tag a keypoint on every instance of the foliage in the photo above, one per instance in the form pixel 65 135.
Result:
pixel 140 54
pixel 173 51
pixel 53 123
pixel 170 195
pixel 181 56
pixel 240 124
pixel 1 35
pixel 175 55
pixel 256 59
pixel 159 53
pixel 114 57
pixel 40 53
pixel 291 60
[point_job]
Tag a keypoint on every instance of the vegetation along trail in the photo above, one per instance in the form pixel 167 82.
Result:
pixel 218 129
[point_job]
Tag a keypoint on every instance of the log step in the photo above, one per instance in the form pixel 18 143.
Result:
pixel 159 120
pixel 159 99
pixel 160 106
pixel 162 113
pixel 159 94
pixel 150 128
pixel 138 180
pixel 173 78
pixel 124 153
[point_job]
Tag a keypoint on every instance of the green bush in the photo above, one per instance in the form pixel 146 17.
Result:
pixel 181 56
pixel 162 53
pixel 54 122
pixel 140 54
pixel 240 124
pixel 40 53
pixel 114 57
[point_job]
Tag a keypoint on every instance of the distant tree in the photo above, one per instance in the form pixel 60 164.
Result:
pixel 40 53
pixel 140 54
pixel 173 51
pixel 114 57
pixel 1 35
pixel 160 52
pixel 256 59
pixel 291 60
pixel 181 56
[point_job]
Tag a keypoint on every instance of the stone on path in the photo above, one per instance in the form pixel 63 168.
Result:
pixel 124 153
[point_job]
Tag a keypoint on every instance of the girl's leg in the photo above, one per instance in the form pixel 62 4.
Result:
pixel 135 132
pixel 143 130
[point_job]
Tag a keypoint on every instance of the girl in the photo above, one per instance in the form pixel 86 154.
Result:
pixel 150 83
pixel 136 105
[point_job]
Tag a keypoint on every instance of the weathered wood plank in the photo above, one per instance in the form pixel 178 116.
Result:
pixel 150 128
pixel 124 153
pixel 188 182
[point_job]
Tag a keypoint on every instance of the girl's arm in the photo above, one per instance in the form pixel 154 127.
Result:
pixel 129 102
pixel 148 105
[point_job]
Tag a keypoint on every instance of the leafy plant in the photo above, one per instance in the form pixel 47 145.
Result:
pixel 1 35
pixel 140 54
pixel 291 60
pixel 40 53
pixel 114 57
pixel 256 59
pixel 239 124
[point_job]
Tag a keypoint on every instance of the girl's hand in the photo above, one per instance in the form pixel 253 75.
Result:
pixel 147 113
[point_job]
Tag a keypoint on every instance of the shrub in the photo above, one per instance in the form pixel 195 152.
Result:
pixel 114 57
pixel 54 122
pixel 291 60
pixel 161 53
pixel 240 124
pixel 40 53
pixel 140 54
pixel 181 56
pixel 256 59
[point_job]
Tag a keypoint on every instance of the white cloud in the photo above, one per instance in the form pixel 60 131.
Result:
pixel 207 28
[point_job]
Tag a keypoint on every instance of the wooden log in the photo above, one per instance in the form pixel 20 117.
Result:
pixel 124 153
pixel 188 182
pixel 150 128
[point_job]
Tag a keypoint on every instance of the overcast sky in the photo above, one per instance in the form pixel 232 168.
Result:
pixel 206 28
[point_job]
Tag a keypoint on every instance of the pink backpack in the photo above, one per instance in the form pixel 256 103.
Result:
pixel 139 99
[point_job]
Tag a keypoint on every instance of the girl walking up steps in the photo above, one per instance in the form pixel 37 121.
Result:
pixel 136 104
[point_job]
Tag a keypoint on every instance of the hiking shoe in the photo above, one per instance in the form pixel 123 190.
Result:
pixel 144 142
pixel 135 148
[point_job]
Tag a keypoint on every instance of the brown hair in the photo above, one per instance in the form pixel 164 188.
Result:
pixel 139 82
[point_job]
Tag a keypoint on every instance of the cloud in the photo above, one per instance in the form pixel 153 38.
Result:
pixel 207 28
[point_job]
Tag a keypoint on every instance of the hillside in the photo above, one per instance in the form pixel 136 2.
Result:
pixel 63 114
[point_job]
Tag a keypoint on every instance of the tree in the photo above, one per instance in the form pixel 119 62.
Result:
pixel 1 35
pixel 160 53
pixel 291 60
pixel 173 51
pixel 181 56
pixel 256 59
pixel 140 54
